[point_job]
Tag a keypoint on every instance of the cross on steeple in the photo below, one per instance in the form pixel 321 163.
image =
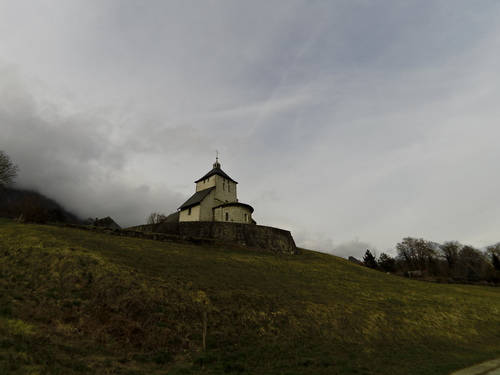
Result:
pixel 216 164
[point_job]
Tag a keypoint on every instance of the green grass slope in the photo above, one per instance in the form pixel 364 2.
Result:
pixel 76 302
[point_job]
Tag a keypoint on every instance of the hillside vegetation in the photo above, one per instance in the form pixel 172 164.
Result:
pixel 76 302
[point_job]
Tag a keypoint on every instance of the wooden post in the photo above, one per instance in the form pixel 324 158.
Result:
pixel 205 319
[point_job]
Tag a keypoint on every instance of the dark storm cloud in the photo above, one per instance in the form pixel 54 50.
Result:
pixel 340 120
pixel 75 158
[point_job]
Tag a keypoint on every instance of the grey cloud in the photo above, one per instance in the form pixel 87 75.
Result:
pixel 355 248
pixel 370 120
pixel 73 158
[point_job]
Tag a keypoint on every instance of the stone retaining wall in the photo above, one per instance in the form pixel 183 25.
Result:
pixel 255 236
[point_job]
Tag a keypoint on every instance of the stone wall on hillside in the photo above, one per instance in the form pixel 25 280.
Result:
pixel 255 236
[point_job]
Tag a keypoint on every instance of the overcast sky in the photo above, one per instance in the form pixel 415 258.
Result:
pixel 353 124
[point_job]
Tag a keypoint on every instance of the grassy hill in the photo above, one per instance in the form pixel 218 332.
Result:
pixel 76 302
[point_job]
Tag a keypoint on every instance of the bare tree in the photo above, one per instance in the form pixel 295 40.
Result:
pixel 494 251
pixel 8 171
pixel 155 218
pixel 450 251
pixel 417 253
pixel 471 263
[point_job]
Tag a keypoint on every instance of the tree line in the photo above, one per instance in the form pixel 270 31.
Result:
pixel 449 261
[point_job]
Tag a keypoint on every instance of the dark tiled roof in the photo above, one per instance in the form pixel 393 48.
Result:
pixel 172 218
pixel 216 170
pixel 107 222
pixel 196 198
pixel 236 204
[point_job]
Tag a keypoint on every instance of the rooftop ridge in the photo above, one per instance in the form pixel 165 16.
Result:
pixel 216 170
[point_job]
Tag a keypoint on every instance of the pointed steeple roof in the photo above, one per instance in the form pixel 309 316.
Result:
pixel 216 170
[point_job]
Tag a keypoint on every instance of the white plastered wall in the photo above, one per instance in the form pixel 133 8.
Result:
pixel 235 214
pixel 190 214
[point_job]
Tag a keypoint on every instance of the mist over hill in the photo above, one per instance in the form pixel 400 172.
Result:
pixel 35 207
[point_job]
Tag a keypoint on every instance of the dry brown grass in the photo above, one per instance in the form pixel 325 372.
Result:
pixel 75 302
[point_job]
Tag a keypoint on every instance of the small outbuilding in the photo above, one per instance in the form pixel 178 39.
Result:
pixel 106 222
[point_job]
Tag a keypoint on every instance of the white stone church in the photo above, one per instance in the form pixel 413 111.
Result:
pixel 216 199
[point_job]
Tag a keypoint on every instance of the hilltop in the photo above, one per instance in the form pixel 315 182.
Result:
pixel 76 302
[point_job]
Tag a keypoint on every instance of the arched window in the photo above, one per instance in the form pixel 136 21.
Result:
pixel 246 217
pixel 227 216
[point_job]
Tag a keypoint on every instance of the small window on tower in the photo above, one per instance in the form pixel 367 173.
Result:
pixel 246 217
pixel 227 216
pixel 228 187
pixel 189 211
pixel 224 186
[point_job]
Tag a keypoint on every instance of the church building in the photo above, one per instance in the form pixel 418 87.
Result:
pixel 216 199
